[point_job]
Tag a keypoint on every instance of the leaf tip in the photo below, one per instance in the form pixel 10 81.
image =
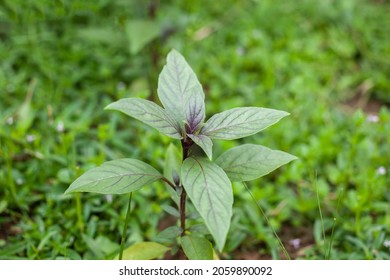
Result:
pixel 294 158
pixel 174 54
pixel 173 51
pixel 68 191
pixel 72 188
pixel 109 106
pixel 220 245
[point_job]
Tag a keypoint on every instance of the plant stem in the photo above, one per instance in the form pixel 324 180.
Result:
pixel 80 222
pixel 331 240
pixel 123 239
pixel 186 143
pixel 183 198
pixel 340 196
pixel 320 211
pixel 154 52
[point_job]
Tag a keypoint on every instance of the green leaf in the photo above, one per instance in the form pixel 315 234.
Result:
pixel 116 177
pixel 104 35
pixel 144 251
pixel 241 122
pixel 210 191
pixel 181 93
pixel 197 248
pixel 248 162
pixel 101 246
pixel 204 142
pixel 93 246
pixel 3 206
pixel 12 250
pixel 171 210
pixel 172 165
pixel 140 33
pixel 25 113
pixel 169 234
pixel 149 113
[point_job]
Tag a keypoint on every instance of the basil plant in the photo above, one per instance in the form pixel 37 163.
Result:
pixel 192 173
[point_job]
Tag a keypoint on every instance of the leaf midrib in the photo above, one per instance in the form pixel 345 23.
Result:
pixel 127 175
pixel 229 126
pixel 212 209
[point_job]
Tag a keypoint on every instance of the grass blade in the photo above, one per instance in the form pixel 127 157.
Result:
pixel 268 222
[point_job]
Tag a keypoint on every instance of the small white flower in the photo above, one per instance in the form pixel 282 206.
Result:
pixel 296 243
pixel 386 243
pixel 10 120
pixel 240 51
pixel 372 118
pixel 19 181
pixel 381 170
pixel 30 138
pixel 60 127
pixel 109 198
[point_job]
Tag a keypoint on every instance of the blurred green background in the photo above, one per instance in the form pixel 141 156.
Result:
pixel 325 62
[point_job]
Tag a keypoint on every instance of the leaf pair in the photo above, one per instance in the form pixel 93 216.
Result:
pixel 184 110
pixel 205 183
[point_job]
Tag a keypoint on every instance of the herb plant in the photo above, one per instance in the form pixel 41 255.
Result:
pixel 192 173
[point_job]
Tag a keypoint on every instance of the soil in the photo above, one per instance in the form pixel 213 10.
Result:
pixel 8 228
pixel 362 99
pixel 295 240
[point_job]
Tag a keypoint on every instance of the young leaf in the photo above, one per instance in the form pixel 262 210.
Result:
pixel 204 142
pixel 144 251
pixel 169 234
pixel 197 248
pixel 241 122
pixel 149 113
pixel 248 162
pixel 210 191
pixel 172 167
pixel 194 110
pixel 116 177
pixel 181 93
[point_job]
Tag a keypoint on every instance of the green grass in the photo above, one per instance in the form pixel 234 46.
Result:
pixel 326 63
